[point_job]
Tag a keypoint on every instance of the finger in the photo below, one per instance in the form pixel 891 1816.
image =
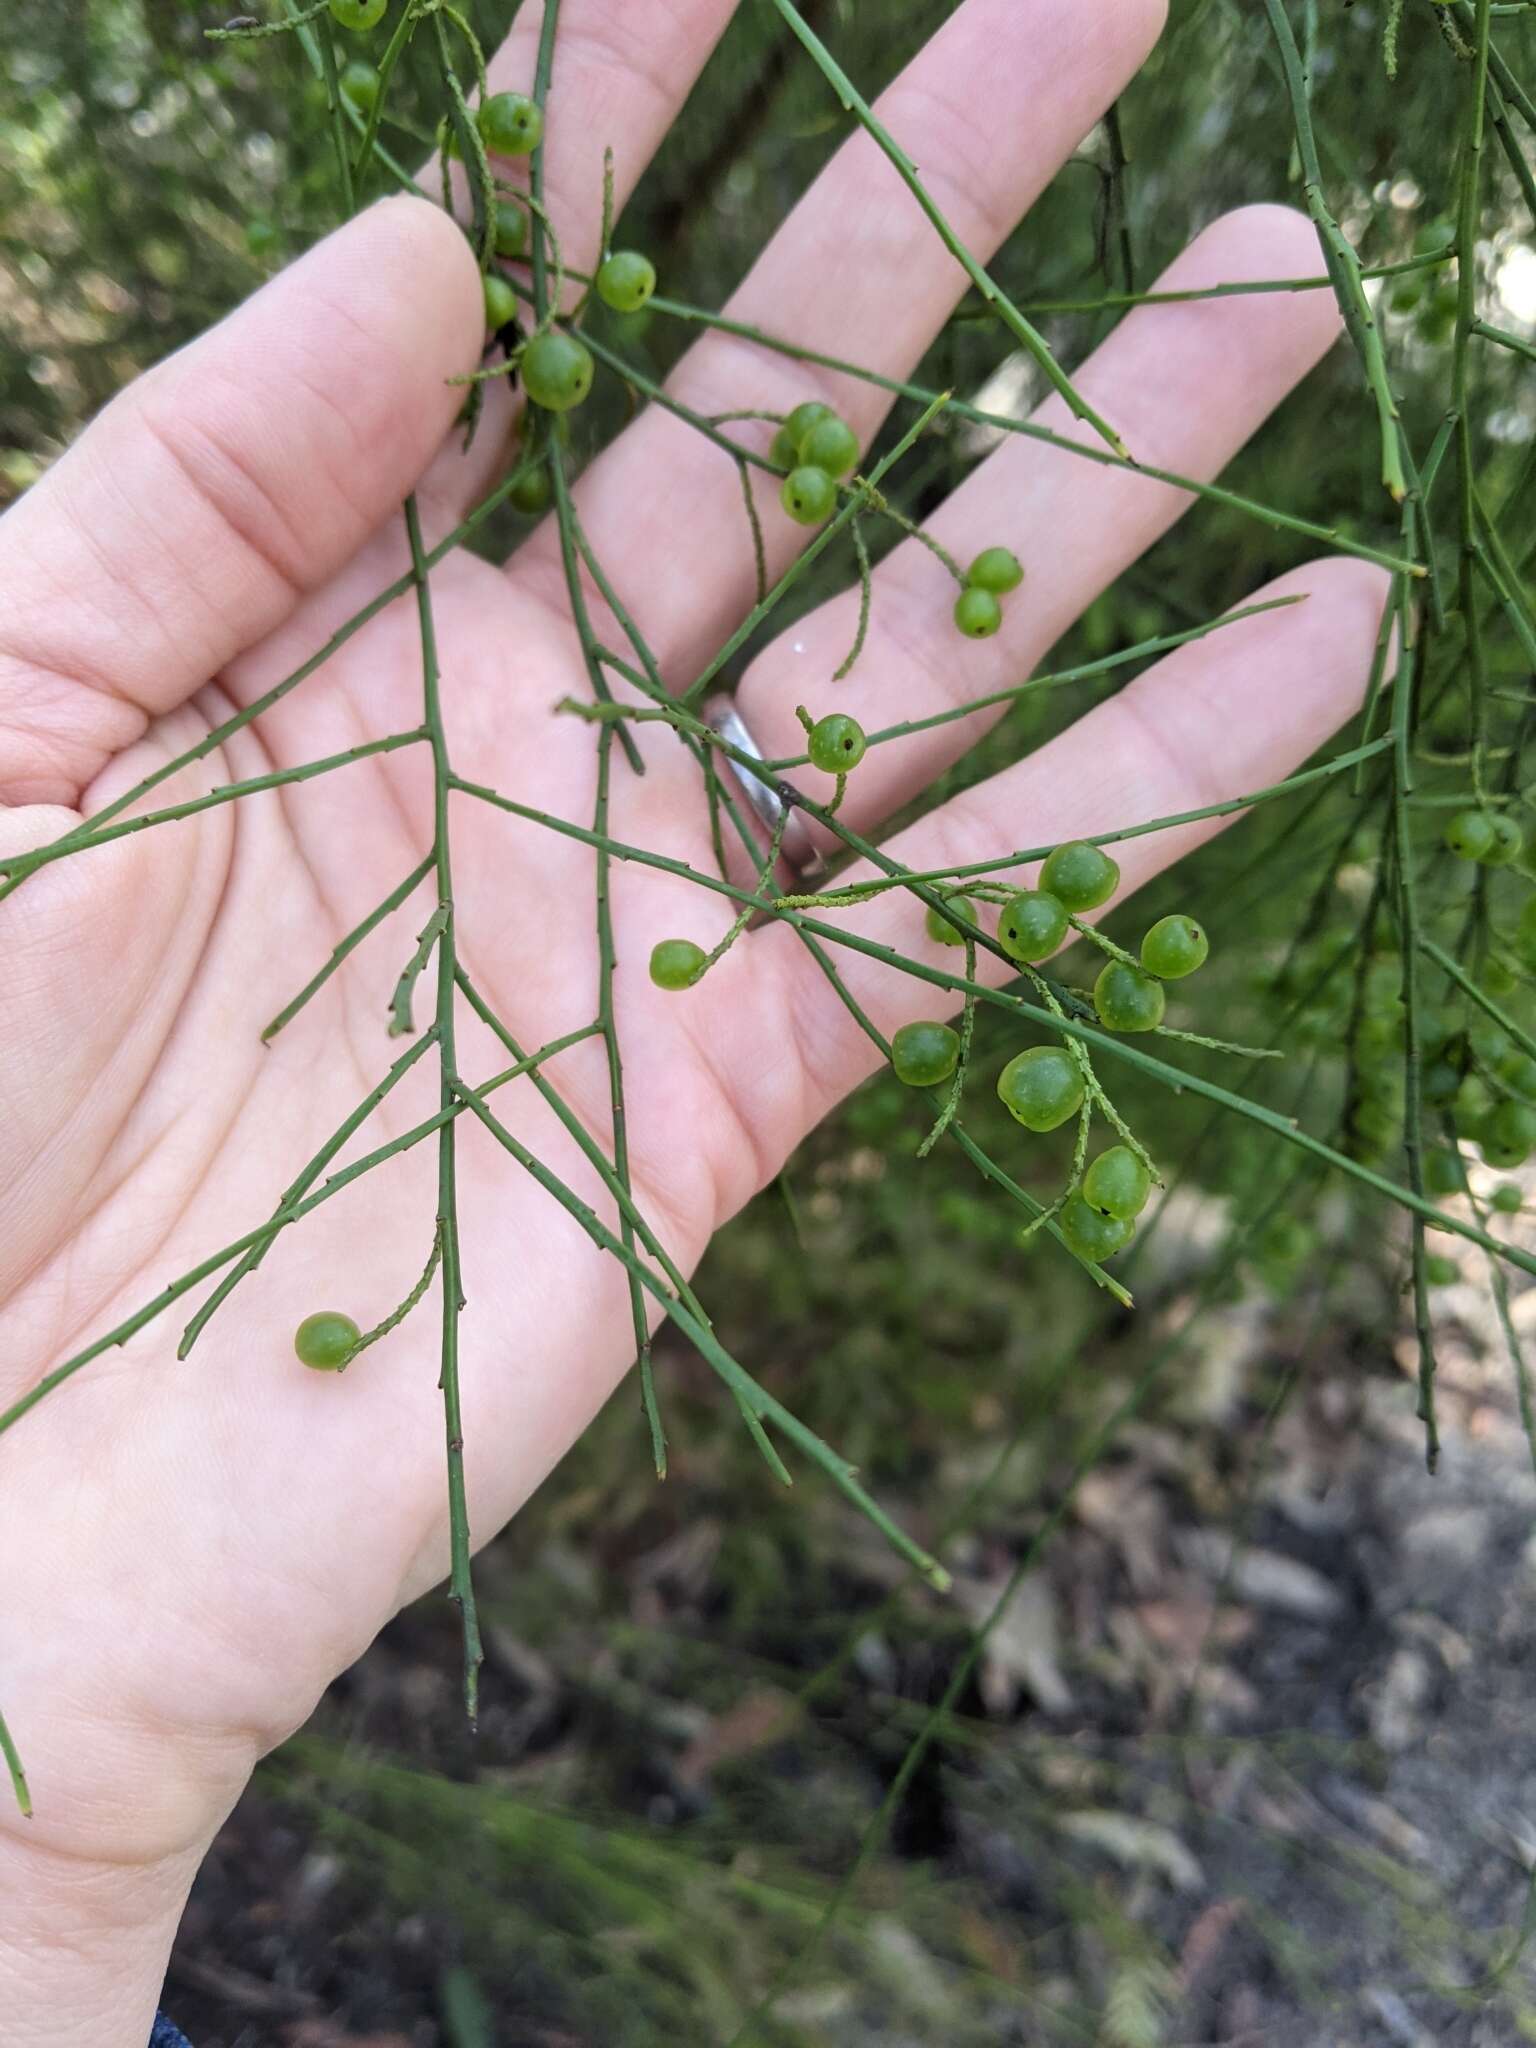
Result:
pixel 1221 717
pixel 214 493
pixel 619 77
pixel 1186 384
pixel 856 271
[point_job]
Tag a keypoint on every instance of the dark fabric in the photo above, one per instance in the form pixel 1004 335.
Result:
pixel 167 2036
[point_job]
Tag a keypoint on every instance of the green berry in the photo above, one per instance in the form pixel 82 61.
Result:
pixel 977 613
pixel 798 423
pixel 1128 1000
pixel 510 123
pixel 829 443
pixel 530 494
pixel 1174 947
pixel 996 569
pixel 511 229
pixel 557 371
pixel 924 1054
pixel 1469 835
pixel 360 83
pixel 500 301
pixel 676 963
pixel 1442 1078
pixel 1094 1237
pixel 782 452
pixel 326 1340
pixel 1508 842
pixel 1041 1087
pixel 1440 1271
pixel 1473 1104
pixel 1507 1198
pixel 1032 926
pixel 836 743
pixel 938 926
pixel 1117 1184
pixel 1508 1134
pixel 1444 1173
pixel 625 280
pixel 358 15
pixel 1083 876
pixel 808 495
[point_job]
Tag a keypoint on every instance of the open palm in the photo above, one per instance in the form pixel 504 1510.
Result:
pixel 193 1549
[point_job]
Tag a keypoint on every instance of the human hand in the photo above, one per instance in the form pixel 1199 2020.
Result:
pixel 194 1549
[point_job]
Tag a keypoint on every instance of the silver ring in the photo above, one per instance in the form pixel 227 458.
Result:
pixel 797 846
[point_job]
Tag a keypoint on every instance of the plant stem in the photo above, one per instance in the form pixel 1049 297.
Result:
pixel 461 1582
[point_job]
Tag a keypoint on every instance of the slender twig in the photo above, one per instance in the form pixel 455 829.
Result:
pixel 1021 329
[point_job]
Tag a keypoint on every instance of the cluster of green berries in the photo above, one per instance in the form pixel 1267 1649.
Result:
pixel 817 448
pixel 1491 838
pixel 1033 923
pixel 978 608
pixel 1479 1078
pixel 326 1340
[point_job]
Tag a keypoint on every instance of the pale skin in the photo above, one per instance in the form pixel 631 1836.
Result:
pixel 193 1550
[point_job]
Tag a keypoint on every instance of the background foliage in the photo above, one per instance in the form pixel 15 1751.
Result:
pixel 701 1693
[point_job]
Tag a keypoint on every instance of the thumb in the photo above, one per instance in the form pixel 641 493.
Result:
pixel 222 487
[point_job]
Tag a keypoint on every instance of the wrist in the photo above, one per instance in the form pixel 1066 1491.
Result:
pixel 84 1946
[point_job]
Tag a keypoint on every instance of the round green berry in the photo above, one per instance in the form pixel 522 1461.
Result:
pixel 360 83
pixel 836 743
pixel 1469 835
pixel 1128 1000
pixel 1083 876
pixel 1033 925
pixel 996 569
pixel 1444 1172
pixel 1508 842
pixel 938 926
pixel 799 421
pixel 977 613
pixel 1474 1103
pixel 510 123
pixel 557 371
pixel 1440 1271
pixel 1441 1080
pixel 358 15
pixel 511 229
pixel 1508 1134
pixel 676 963
pixel 1041 1087
pixel 1507 1198
pixel 530 493
pixel 924 1054
pixel 829 443
pixel 326 1340
pixel 808 495
pixel 1092 1236
pixel 1174 947
pixel 1117 1184
pixel 500 301
pixel 625 280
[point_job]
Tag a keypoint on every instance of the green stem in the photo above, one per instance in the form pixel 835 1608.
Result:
pixel 920 394
pixel 761 1403
pixel 1021 329
pixel 461 1582
pixel 349 944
